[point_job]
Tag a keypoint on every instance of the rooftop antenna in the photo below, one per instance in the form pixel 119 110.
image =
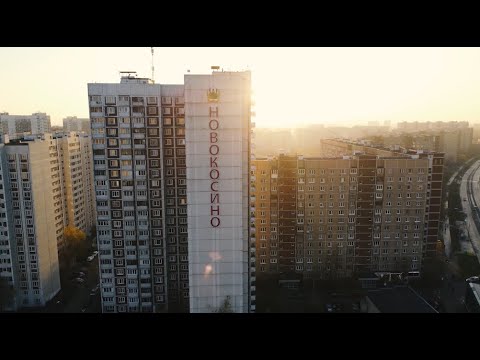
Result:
pixel 153 68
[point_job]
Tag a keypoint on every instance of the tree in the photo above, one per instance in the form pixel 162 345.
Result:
pixel 6 294
pixel 226 306
pixel 75 244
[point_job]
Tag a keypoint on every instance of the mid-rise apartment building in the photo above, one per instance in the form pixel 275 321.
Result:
pixel 72 123
pixel 359 209
pixel 32 219
pixel 171 179
pixel 16 126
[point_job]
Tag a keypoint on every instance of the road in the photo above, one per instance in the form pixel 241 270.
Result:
pixel 456 172
pixel 74 297
pixel 469 191
pixel 446 223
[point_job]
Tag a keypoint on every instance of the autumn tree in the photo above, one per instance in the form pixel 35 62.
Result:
pixel 6 294
pixel 75 244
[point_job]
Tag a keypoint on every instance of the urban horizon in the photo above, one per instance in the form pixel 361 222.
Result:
pixel 350 86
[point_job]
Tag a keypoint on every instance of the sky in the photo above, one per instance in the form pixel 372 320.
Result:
pixel 291 86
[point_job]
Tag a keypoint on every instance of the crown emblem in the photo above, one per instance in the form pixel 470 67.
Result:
pixel 213 95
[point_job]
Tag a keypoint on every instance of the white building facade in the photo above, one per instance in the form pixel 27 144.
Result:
pixel 218 169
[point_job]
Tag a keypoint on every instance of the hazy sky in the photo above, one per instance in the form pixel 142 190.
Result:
pixel 292 86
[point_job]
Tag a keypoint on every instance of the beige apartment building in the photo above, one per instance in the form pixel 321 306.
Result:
pixel 32 220
pixel 74 151
pixel 359 209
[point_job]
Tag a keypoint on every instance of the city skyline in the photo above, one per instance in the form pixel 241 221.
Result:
pixel 349 85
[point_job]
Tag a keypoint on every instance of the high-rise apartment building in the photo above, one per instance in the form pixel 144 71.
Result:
pixel 32 219
pixel 357 210
pixel 72 123
pixel 16 126
pixel 172 236
pixel 75 156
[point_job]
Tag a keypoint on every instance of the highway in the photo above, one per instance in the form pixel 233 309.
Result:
pixel 469 190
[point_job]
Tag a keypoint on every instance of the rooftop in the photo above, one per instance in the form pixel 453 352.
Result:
pixel 400 299
pixel 395 150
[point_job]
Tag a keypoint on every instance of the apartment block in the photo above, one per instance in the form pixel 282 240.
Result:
pixel 16 126
pixel 162 247
pixel 357 210
pixel 75 156
pixel 31 215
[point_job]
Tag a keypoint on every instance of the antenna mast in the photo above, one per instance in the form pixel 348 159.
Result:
pixel 153 68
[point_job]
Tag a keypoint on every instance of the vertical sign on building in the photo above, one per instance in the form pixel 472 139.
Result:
pixel 214 150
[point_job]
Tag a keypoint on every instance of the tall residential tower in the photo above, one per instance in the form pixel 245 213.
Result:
pixel 31 219
pixel 171 169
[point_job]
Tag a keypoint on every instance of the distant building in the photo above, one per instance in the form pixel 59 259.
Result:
pixel 31 219
pixel 451 137
pixel 72 123
pixel 399 299
pixel 18 125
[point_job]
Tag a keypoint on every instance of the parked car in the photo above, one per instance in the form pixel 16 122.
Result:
pixel 90 258
pixel 473 279
pixel 80 280
pixel 329 308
